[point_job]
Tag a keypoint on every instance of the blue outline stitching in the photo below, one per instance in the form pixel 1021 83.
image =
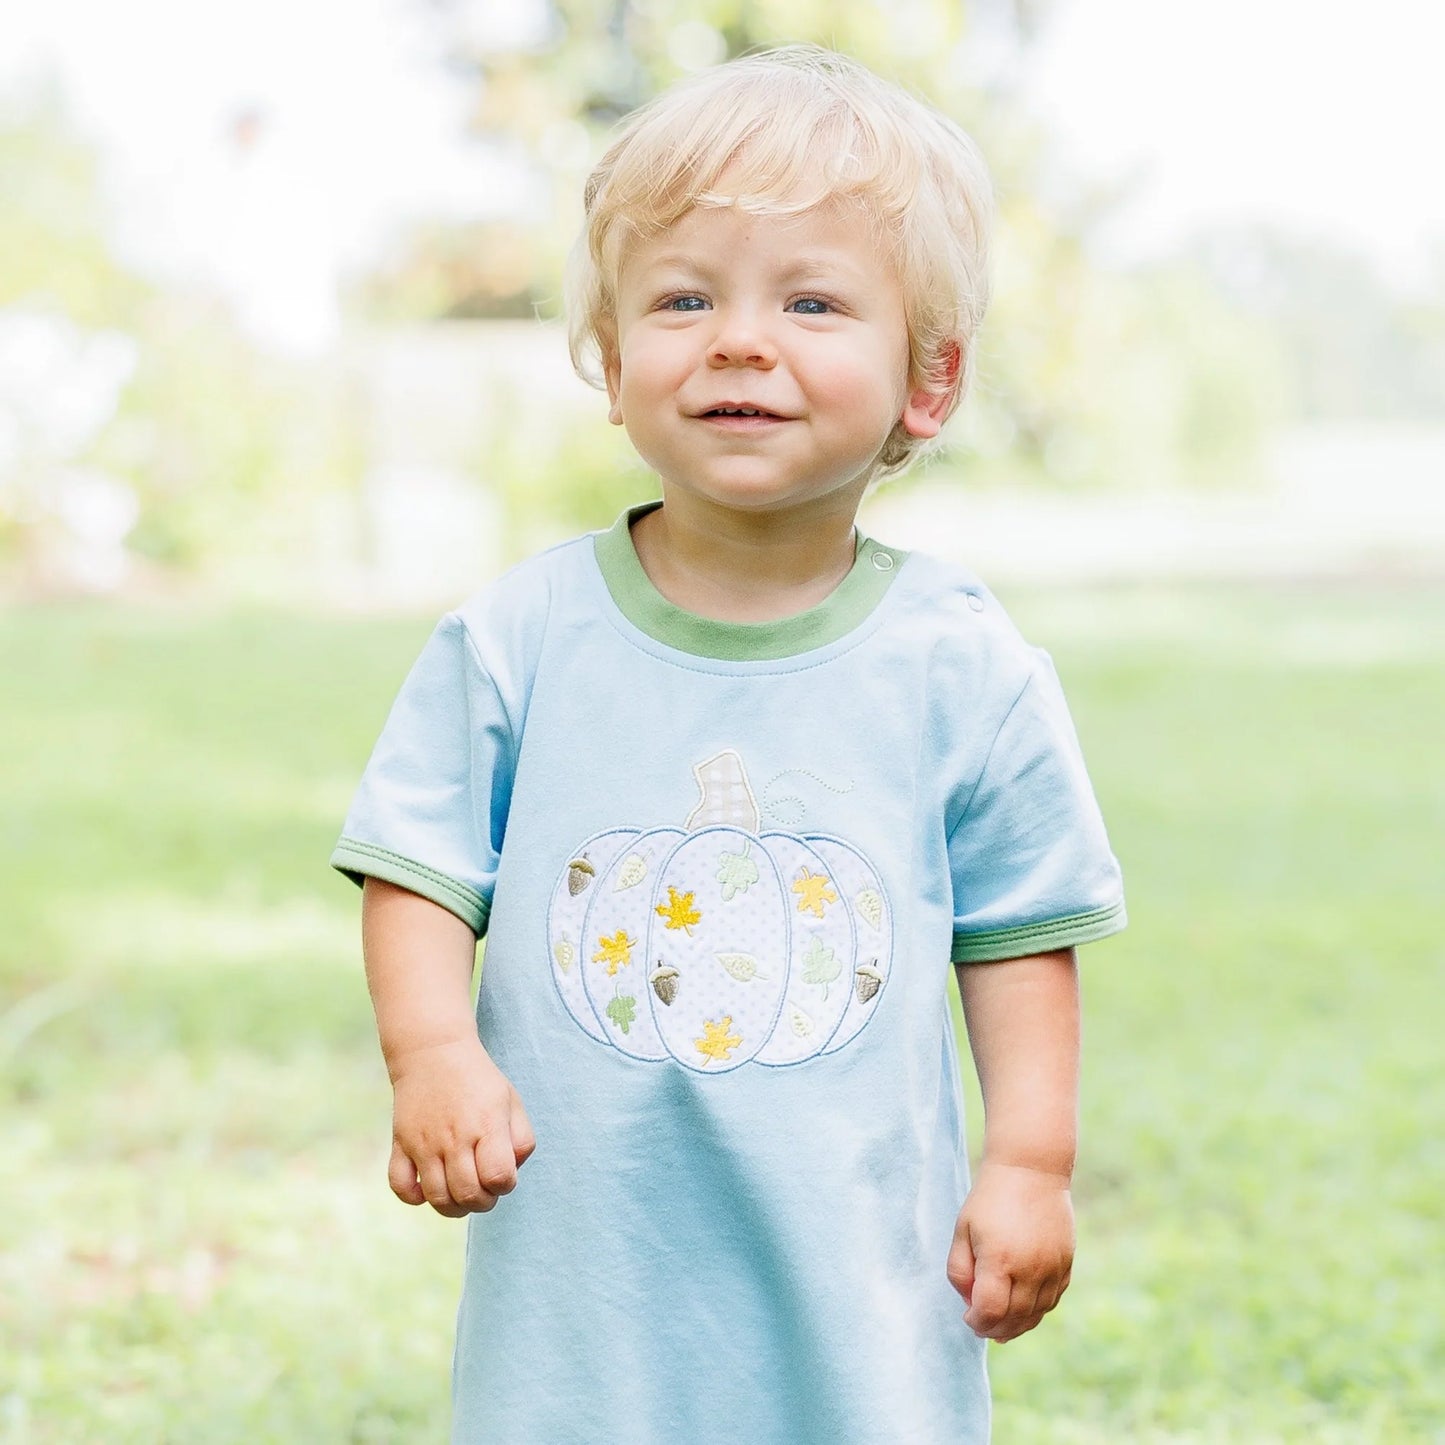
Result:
pixel 777 1013
pixel 611 1041
pixel 829 1045
pixel 553 966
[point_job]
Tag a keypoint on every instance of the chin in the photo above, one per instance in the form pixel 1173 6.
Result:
pixel 766 494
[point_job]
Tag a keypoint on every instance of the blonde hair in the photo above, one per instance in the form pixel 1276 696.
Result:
pixel 796 128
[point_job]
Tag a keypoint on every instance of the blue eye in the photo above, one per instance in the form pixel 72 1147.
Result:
pixel 810 306
pixel 685 303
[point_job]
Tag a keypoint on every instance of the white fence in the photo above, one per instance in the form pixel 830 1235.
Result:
pixel 423 526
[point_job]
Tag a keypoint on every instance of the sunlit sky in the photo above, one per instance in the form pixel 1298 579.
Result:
pixel 1323 117
pixel 1320 115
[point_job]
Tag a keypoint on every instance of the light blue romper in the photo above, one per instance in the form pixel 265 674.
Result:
pixel 721 869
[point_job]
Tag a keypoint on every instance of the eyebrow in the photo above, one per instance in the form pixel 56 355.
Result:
pixel 803 267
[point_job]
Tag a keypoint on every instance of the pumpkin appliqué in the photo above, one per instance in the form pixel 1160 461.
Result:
pixel 757 947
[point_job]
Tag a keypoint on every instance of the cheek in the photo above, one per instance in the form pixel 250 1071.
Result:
pixel 653 363
pixel 865 386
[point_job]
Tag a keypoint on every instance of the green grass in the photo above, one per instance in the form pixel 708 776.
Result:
pixel 196 1239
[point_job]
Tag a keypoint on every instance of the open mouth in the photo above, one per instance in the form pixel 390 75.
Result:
pixel 742 411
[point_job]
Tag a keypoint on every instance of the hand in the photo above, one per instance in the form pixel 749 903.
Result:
pixel 459 1131
pixel 1013 1249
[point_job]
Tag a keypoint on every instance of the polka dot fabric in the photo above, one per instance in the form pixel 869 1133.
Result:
pixel 721 946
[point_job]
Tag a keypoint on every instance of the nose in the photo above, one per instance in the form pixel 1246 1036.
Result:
pixel 742 339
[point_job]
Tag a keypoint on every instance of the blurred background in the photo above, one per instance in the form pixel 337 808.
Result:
pixel 280 284
pixel 282 375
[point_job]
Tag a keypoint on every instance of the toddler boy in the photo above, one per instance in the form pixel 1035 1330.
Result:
pixel 726 786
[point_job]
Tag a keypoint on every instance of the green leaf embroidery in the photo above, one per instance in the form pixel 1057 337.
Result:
pixel 820 965
pixel 737 873
pixel 622 1011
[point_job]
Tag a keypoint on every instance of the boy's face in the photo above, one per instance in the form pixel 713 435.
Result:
pixel 762 361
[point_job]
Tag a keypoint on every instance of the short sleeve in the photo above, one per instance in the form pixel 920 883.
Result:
pixel 431 807
pixel 1031 864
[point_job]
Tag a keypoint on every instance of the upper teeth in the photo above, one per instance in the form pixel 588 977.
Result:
pixel 739 410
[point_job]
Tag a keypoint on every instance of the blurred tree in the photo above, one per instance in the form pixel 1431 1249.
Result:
pixel 1094 377
pixel 485 270
pixel 227 448
pixel 1354 347
pixel 552 76
pixel 213 440
pixel 52 230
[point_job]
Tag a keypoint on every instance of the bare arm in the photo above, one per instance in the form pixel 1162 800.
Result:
pixel 459 1131
pixel 1013 1246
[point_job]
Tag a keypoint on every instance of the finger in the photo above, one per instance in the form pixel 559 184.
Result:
pixel 1005 1333
pixel 524 1141
pixel 433 1176
pixel 1052 1283
pixel 961 1266
pixel 496 1163
pixel 990 1307
pixel 1023 1307
pixel 401 1175
pixel 1051 1294
pixel 463 1185
pixel 1023 1313
pixel 1064 1283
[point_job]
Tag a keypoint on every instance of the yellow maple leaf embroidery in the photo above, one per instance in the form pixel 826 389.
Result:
pixel 716 1042
pixel 814 891
pixel 615 951
pixel 679 911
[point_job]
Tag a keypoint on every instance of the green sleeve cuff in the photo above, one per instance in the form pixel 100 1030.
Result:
pixel 359 861
pixel 1030 938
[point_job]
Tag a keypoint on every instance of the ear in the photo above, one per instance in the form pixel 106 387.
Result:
pixel 926 409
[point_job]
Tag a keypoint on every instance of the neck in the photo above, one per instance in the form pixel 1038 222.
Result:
pixel 744 566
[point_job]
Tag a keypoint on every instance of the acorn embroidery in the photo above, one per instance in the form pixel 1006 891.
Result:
pixel 868 980
pixel 664 982
pixel 580 874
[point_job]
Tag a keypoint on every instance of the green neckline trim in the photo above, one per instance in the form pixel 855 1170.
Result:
pixel 853 599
